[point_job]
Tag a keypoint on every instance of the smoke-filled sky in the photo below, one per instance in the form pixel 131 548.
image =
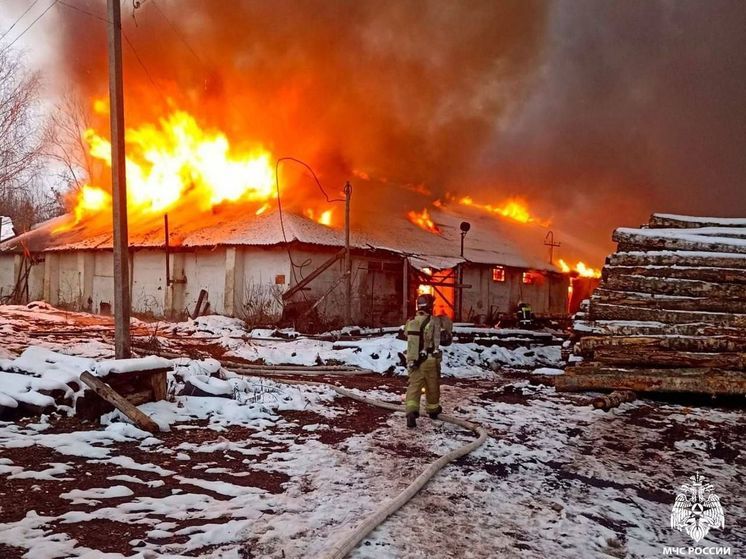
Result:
pixel 597 112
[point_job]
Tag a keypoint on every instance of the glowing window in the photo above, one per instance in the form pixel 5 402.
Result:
pixel 528 278
pixel 498 273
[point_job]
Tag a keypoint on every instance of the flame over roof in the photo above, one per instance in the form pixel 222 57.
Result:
pixel 491 240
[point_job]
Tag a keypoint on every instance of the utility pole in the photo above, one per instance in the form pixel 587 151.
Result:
pixel 118 186
pixel 549 241
pixel 348 257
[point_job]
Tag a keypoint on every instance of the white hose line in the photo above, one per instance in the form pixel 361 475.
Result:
pixel 350 540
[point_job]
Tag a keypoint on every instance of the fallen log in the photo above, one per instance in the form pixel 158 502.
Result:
pixel 613 400
pixel 651 357
pixel 119 402
pixel 658 239
pixel 600 311
pixel 675 286
pixel 704 344
pixel 712 274
pixel 682 258
pixel 667 302
pixel 596 376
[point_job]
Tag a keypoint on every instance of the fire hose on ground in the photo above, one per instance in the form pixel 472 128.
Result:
pixel 341 546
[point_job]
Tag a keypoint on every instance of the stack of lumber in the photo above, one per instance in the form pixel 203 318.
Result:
pixel 670 312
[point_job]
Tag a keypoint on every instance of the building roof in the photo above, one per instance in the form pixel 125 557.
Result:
pixel 491 240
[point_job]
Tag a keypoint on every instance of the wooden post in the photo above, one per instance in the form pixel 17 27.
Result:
pixel 348 256
pixel 119 402
pixel 405 290
pixel 122 309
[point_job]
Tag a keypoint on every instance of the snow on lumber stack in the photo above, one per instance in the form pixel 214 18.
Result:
pixel 40 381
pixel 670 312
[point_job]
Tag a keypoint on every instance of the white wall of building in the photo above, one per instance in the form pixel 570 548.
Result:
pixel 148 293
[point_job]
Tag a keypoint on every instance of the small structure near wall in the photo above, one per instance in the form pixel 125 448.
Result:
pixel 136 381
pixel 670 312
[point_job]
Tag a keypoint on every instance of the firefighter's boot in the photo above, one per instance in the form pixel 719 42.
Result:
pixel 412 419
pixel 435 413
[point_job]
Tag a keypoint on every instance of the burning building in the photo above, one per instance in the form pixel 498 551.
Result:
pixel 215 227
pixel 274 265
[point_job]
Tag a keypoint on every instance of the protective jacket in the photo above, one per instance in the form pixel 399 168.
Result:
pixel 423 360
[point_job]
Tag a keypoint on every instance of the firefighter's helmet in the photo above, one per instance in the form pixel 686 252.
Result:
pixel 425 303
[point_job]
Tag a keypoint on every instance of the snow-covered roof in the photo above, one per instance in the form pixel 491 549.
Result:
pixel 6 228
pixel 491 240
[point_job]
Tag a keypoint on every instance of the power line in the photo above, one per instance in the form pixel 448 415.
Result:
pixel 41 15
pixel 315 178
pixel 178 34
pixel 145 69
pixel 81 10
pixel 19 19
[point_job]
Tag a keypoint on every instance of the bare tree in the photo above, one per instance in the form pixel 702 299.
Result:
pixel 21 157
pixel 65 144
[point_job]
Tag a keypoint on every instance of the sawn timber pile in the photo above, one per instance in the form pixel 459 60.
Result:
pixel 670 312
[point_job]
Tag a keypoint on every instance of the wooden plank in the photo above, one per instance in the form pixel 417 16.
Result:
pixel 137 398
pixel 675 286
pixel 158 383
pixel 119 402
pixel 704 381
pixel 681 258
pixel 662 358
pixel 599 311
pixel 642 239
pixel 686 222
pixel 668 302
pixel 705 344
pixel 714 274
pixel 652 328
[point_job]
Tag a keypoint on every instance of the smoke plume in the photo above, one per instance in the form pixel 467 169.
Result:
pixel 596 112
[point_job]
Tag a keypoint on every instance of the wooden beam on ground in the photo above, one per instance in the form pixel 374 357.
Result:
pixel 119 402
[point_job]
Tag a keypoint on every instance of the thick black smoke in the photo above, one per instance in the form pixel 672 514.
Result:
pixel 598 112
pixel 638 106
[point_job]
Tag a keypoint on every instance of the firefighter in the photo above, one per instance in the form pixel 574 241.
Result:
pixel 423 360
pixel 524 315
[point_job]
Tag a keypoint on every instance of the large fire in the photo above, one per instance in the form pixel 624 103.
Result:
pixel 513 208
pixel 174 160
pixel 581 269
pixel 423 220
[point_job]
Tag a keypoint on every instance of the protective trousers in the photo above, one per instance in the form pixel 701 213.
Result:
pixel 427 375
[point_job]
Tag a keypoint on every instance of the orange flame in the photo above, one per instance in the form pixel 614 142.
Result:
pixel 423 220
pixel 324 218
pixel 513 208
pixel 580 268
pixel 177 158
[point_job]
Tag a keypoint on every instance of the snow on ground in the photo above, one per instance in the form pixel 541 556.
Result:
pixel 268 469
